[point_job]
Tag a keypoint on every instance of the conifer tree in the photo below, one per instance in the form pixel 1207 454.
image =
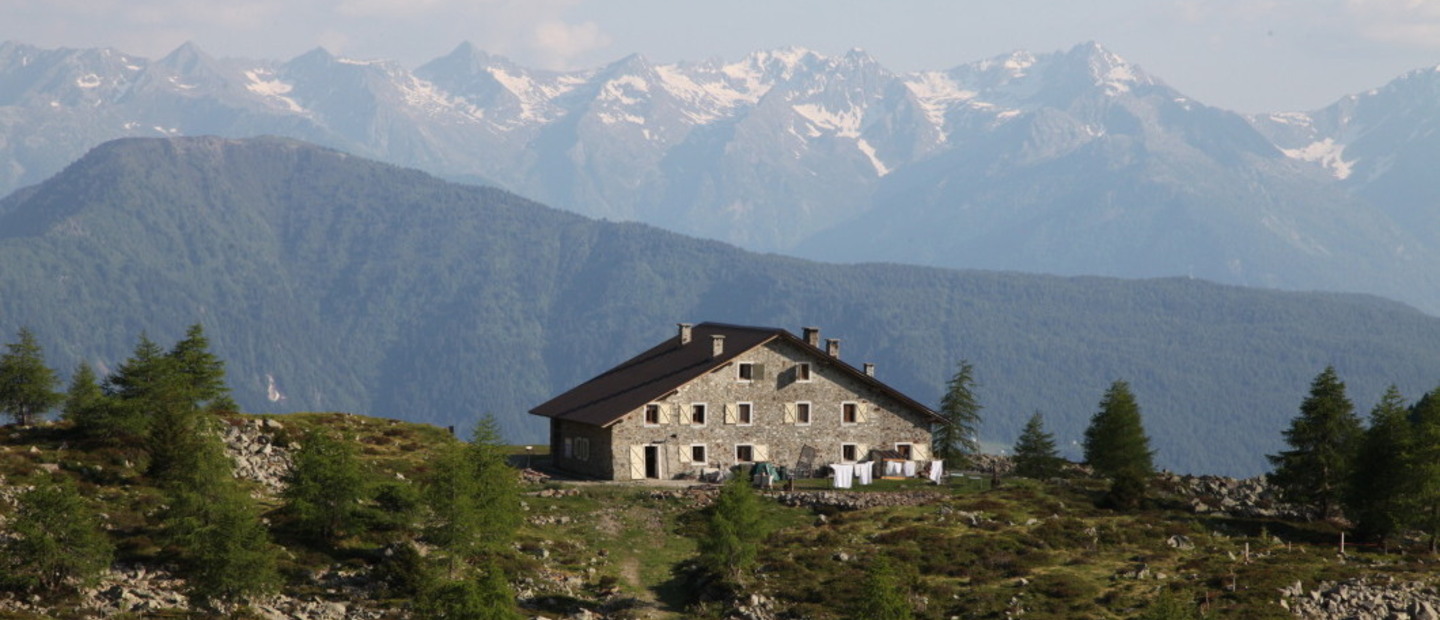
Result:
pixel 1377 489
pixel 1035 455
pixel 55 540
pixel 1421 464
pixel 955 441
pixel 1317 468
pixel 1116 447
pixel 226 549
pixel 324 487
pixel 1115 441
pixel 731 541
pixel 27 385
pixel 204 372
pixel 473 496
pixel 882 598
pixel 84 398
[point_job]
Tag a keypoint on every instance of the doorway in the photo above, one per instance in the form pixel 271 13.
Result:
pixel 652 461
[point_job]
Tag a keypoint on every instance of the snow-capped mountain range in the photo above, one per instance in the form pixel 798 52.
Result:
pixel 1068 162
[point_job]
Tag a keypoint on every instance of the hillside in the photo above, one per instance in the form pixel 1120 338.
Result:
pixel 624 551
pixel 329 282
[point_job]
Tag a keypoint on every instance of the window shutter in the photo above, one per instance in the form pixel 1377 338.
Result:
pixel 919 452
pixel 664 412
pixel 860 414
pixel 789 413
pixel 760 453
pixel 729 413
pixel 684 454
pixel 862 452
pixel 758 372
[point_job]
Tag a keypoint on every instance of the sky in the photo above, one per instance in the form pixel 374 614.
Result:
pixel 1243 55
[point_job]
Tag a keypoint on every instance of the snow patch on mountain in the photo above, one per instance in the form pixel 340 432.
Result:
pixel 845 124
pixel 1326 153
pixel 936 93
pixel 869 152
pixel 263 82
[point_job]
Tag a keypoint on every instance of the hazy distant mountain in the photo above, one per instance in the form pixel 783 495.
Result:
pixel 330 282
pixel 1074 162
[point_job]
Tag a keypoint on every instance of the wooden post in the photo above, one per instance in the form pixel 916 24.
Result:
pixel 1342 543
pixel 1247 552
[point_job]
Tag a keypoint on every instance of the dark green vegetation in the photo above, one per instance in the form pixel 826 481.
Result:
pixel 332 283
pixel 955 441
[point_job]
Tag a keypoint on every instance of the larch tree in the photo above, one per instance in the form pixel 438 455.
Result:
pixel 324 487
pixel 1316 470
pixel 882 597
pixel 84 398
pixel 473 497
pixel 1116 446
pixel 957 439
pixel 204 372
pixel 27 385
pixel 56 540
pixel 1375 501
pixel 731 541
pixel 1035 454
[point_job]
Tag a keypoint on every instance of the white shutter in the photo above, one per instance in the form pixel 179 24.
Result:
pixel 919 452
pixel 664 412
pixel 637 462
pixel 789 413
pixel 729 413
pixel 862 452
pixel 760 453
pixel 861 415
pixel 684 453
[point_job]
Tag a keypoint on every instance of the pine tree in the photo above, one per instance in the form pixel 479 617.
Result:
pixel 731 541
pixel 1115 441
pixel 882 598
pixel 498 494
pixel 55 541
pixel 1377 488
pixel 1316 469
pixel 27 385
pixel 955 440
pixel 1035 455
pixel 324 487
pixel 487 598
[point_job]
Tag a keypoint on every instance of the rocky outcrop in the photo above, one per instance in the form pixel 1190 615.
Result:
pixel 258 458
pixel 1236 497
pixel 1363 599
pixel 856 501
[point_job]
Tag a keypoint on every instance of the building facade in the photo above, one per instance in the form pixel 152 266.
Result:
pixel 717 395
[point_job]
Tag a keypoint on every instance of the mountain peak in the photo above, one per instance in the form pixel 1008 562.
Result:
pixel 1107 68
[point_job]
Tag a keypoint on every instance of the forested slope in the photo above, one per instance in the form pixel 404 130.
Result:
pixel 344 284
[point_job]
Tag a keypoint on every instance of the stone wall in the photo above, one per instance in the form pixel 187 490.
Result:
pixel 886 421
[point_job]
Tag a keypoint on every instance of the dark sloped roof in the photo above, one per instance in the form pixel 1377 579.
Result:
pixel 651 375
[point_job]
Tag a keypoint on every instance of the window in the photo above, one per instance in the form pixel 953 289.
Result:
pixel 744 453
pixel 582 448
pixel 802 413
pixel 802 372
pixel 849 413
pixel 906 450
pixel 697 453
pixel 744 413
pixel 745 371
pixel 697 414
pixel 849 452
pixel 652 414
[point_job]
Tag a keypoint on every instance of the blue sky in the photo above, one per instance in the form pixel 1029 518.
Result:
pixel 1245 55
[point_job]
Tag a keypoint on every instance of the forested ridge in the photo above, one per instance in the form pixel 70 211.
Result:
pixel 329 282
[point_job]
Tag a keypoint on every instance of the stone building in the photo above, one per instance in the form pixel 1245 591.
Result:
pixel 717 395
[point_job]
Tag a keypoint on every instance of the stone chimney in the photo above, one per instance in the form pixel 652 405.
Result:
pixel 684 333
pixel 869 369
pixel 812 336
pixel 717 345
pixel 832 347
